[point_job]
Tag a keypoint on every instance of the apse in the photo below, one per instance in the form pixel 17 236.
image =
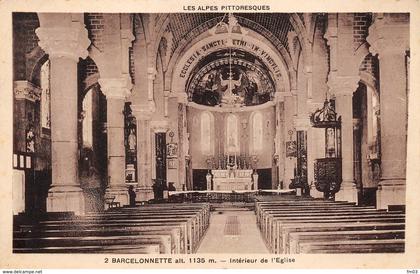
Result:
pixel 230 77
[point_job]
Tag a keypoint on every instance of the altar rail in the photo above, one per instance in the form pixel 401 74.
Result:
pixel 220 196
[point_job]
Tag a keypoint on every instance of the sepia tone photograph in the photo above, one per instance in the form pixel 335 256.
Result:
pixel 234 130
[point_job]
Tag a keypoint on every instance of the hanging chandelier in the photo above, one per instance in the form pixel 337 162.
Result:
pixel 229 28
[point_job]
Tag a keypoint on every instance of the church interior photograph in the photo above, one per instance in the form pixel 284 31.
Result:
pixel 181 133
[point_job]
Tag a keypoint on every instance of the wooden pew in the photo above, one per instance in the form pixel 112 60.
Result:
pixel 192 232
pixel 164 241
pixel 308 221
pixel 199 221
pixel 293 227
pixel 120 249
pixel 127 224
pixel 261 207
pixel 271 218
pixel 177 242
pixel 311 226
pixel 192 220
pixel 174 228
pixel 297 238
pixel 268 214
pixel 274 213
pixel 362 246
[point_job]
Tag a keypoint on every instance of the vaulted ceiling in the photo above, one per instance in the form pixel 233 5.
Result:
pixel 273 26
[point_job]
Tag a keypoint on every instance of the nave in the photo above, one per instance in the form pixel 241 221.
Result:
pixel 281 224
pixel 233 229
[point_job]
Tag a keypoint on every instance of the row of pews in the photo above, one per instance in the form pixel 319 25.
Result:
pixel 293 226
pixel 148 229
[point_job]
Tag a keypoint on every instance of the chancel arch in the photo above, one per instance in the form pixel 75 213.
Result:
pixel 252 43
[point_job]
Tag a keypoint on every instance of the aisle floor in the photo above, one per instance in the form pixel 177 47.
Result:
pixel 232 231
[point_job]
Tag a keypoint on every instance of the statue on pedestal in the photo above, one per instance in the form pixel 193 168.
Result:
pixel 255 180
pixel 208 179
pixel 132 142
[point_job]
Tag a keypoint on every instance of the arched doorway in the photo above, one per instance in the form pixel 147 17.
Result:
pixel 366 130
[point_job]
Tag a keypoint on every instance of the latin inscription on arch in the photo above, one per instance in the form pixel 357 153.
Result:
pixel 236 43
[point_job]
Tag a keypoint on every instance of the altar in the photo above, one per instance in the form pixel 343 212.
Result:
pixel 232 179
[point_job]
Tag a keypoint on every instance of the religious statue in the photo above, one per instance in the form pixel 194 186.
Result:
pixel 208 180
pixel 250 93
pixel 187 144
pixel 132 140
pixel 255 179
pixel 232 89
pixel 30 140
pixel 210 96
pixel 210 83
pixel 330 142
pixel 132 196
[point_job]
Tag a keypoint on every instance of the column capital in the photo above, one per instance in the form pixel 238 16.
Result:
pixel 389 35
pixel 182 97
pixel 159 126
pixel 26 90
pixel 279 97
pixel 343 85
pixel 116 88
pixel 71 42
pixel 127 34
pixel 331 35
pixel 301 123
pixel 151 73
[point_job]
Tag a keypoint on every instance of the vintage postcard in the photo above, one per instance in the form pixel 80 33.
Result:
pixel 210 134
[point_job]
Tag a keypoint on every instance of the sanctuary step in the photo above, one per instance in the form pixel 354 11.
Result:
pixel 307 225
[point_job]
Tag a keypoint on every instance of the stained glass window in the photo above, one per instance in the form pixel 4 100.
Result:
pixel 232 134
pixel 257 131
pixel 206 140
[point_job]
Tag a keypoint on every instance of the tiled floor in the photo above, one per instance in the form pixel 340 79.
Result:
pixel 232 232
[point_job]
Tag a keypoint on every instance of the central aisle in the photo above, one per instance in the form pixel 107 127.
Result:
pixel 232 231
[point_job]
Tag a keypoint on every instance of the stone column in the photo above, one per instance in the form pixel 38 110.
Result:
pixel 289 135
pixel 144 156
pixel 116 90
pixel 279 155
pixel 64 45
pixel 389 37
pixel 343 88
pixel 184 148
pixel 151 75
